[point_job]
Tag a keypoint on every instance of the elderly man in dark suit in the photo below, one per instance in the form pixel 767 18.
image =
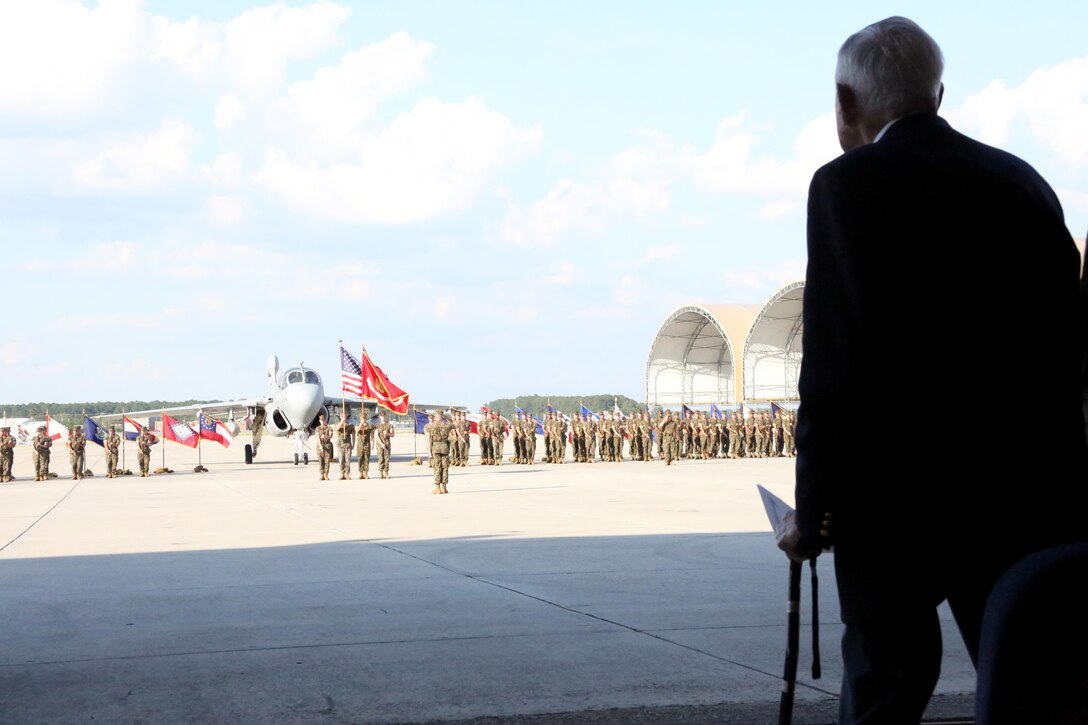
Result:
pixel 940 273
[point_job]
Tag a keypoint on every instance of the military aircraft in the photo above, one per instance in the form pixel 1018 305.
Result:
pixel 294 401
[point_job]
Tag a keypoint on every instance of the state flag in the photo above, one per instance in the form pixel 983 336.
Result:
pixel 421 421
pixel 213 430
pixel 175 430
pixel 716 411
pixel 132 431
pixel 55 429
pixel 93 431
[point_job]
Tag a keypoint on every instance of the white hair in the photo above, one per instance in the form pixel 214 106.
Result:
pixel 893 66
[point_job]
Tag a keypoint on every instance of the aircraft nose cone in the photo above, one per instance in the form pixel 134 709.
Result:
pixel 301 402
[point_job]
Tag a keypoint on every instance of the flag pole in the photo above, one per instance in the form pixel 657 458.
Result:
pixel 199 441
pixel 124 466
pixel 163 439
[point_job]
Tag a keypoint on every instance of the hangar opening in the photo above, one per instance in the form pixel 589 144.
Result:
pixel 693 359
pixel 772 349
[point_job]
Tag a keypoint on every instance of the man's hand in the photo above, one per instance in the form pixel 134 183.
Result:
pixel 789 539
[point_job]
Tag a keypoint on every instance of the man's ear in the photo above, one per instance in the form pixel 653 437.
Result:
pixel 848 104
pixel 940 96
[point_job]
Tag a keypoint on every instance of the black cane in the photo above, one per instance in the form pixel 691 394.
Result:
pixel 815 620
pixel 793 642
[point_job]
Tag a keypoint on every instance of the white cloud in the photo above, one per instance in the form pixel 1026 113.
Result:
pixel 564 276
pixel 775 210
pixel 225 170
pixel 431 160
pixel 629 290
pixel 761 277
pixel 260 42
pixel 662 253
pixel 16 353
pixel 225 209
pixel 140 162
pixel 730 165
pixel 442 307
pixel 229 110
pixel 62 60
pixel 1053 101
pixel 636 184
pixel 332 107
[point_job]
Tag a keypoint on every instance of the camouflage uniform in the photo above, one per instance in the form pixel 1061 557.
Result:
pixel 590 427
pixel 42 443
pixel 498 429
pixel 111 444
pixel 439 437
pixel 363 432
pixel 484 430
pixel 459 434
pixel 77 449
pixel 385 434
pixel 143 452
pixel 7 453
pixel 344 445
pixel 617 437
pixel 668 431
pixel 787 434
pixel 324 434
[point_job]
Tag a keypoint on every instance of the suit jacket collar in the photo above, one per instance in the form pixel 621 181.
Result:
pixel 914 126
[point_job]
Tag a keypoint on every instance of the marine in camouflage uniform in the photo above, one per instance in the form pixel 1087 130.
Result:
pixel 590 427
pixel 385 433
pixel 787 434
pixel 634 436
pixel 559 447
pixel 528 438
pixel 344 443
pixel 669 431
pixel 776 435
pixel 427 437
pixel 484 430
pixel 498 437
pixel 41 444
pixel 363 433
pixel 77 449
pixel 143 451
pixel 7 453
pixel 439 438
pixel 619 428
pixel 111 444
pixel 458 439
pixel 645 429
pixel 641 442
pixel 324 433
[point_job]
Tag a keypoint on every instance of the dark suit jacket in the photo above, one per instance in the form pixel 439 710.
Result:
pixel 941 317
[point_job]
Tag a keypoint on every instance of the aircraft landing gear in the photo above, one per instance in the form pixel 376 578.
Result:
pixel 249 454
pixel 296 459
pixel 305 459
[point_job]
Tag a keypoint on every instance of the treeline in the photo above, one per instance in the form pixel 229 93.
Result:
pixel 538 404
pixel 72 413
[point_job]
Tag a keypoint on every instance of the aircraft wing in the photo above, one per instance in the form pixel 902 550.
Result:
pixel 214 409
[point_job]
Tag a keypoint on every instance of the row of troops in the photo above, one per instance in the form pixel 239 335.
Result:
pixel 697 435
pixel 362 438
pixel 41 446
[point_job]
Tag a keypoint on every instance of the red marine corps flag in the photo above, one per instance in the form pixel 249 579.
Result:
pixel 378 387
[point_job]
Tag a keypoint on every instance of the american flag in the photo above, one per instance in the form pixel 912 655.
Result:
pixel 351 374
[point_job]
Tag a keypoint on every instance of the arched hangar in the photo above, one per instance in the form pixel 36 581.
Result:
pixel 727 354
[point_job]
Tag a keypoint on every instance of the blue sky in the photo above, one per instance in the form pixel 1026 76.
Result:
pixel 495 198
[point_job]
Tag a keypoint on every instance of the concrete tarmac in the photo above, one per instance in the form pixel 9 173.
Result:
pixel 607 593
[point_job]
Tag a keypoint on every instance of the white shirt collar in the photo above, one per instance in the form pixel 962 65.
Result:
pixel 884 130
